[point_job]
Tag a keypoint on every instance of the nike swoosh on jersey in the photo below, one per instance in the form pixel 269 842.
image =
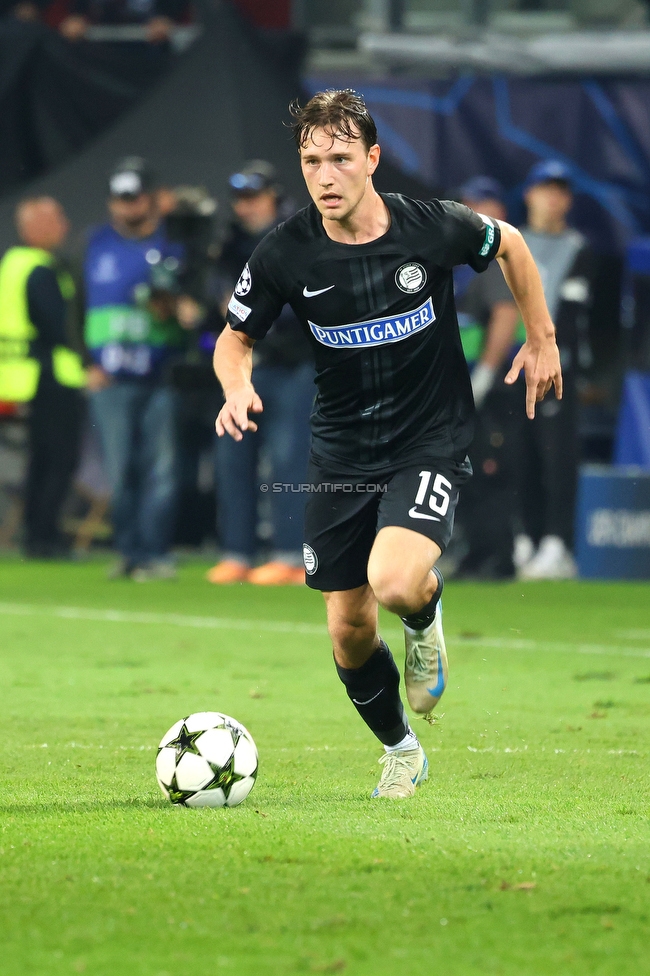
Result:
pixel 413 512
pixel 312 294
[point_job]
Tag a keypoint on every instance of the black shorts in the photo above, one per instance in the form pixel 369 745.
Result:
pixel 344 514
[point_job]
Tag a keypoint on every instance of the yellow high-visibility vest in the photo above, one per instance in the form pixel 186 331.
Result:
pixel 20 372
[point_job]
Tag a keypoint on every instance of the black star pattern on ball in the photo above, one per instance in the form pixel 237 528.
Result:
pixel 225 777
pixel 185 742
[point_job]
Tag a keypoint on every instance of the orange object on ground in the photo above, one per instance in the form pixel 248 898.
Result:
pixel 277 574
pixel 228 571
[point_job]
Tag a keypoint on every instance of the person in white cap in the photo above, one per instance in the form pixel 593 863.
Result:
pixel 133 335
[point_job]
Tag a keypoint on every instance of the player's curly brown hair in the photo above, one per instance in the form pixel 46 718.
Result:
pixel 341 113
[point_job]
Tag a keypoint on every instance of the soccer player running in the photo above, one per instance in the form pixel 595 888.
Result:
pixel 369 276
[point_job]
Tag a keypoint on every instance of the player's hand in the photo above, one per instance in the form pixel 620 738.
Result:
pixel 233 417
pixel 541 365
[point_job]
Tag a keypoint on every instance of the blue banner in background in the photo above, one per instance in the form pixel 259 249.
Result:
pixel 445 131
pixel 613 523
pixel 632 444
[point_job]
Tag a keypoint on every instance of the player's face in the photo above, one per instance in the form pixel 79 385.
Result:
pixel 337 172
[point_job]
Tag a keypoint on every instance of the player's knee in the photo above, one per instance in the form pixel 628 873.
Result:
pixel 347 632
pixel 393 590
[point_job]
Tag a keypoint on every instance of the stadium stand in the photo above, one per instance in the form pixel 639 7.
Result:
pixel 222 102
pixel 55 97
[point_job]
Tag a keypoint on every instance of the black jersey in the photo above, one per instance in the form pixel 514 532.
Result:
pixel 392 380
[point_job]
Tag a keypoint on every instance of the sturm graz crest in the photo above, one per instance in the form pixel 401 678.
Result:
pixel 243 286
pixel 310 559
pixel 410 277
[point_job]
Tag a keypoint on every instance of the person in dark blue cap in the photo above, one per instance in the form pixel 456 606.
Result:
pixel 548 171
pixel 284 369
pixel 550 446
pixel 479 189
pixel 488 319
pixel 485 301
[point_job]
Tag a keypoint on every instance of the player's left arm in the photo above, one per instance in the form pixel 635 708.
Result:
pixel 539 356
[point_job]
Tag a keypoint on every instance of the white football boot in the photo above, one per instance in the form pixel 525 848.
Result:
pixel 403 771
pixel 426 668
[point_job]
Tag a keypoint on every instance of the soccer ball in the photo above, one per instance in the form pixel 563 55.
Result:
pixel 207 760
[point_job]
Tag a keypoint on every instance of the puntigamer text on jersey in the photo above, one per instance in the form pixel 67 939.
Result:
pixel 376 332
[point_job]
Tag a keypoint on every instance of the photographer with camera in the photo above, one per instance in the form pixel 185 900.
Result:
pixel 189 215
pixel 133 336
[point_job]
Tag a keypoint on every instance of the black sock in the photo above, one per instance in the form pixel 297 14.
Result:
pixel 373 689
pixel 422 618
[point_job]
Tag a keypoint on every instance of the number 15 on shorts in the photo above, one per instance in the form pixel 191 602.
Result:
pixel 438 500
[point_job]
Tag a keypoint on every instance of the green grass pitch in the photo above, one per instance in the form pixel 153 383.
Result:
pixel 526 853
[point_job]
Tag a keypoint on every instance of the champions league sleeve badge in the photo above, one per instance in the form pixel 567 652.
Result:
pixel 410 277
pixel 243 286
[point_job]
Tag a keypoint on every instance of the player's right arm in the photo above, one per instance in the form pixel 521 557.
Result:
pixel 253 307
pixel 233 364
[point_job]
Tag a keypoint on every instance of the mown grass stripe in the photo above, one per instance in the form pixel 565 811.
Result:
pixel 293 627
pixel 173 619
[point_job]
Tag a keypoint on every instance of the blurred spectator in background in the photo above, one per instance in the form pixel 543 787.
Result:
pixel 38 365
pixel 133 336
pixel 284 377
pixel 159 16
pixel 488 318
pixel 25 10
pixel 189 213
pixel 550 445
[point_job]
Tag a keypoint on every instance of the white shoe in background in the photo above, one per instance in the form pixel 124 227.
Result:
pixel 551 561
pixel 523 551
pixel 156 569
